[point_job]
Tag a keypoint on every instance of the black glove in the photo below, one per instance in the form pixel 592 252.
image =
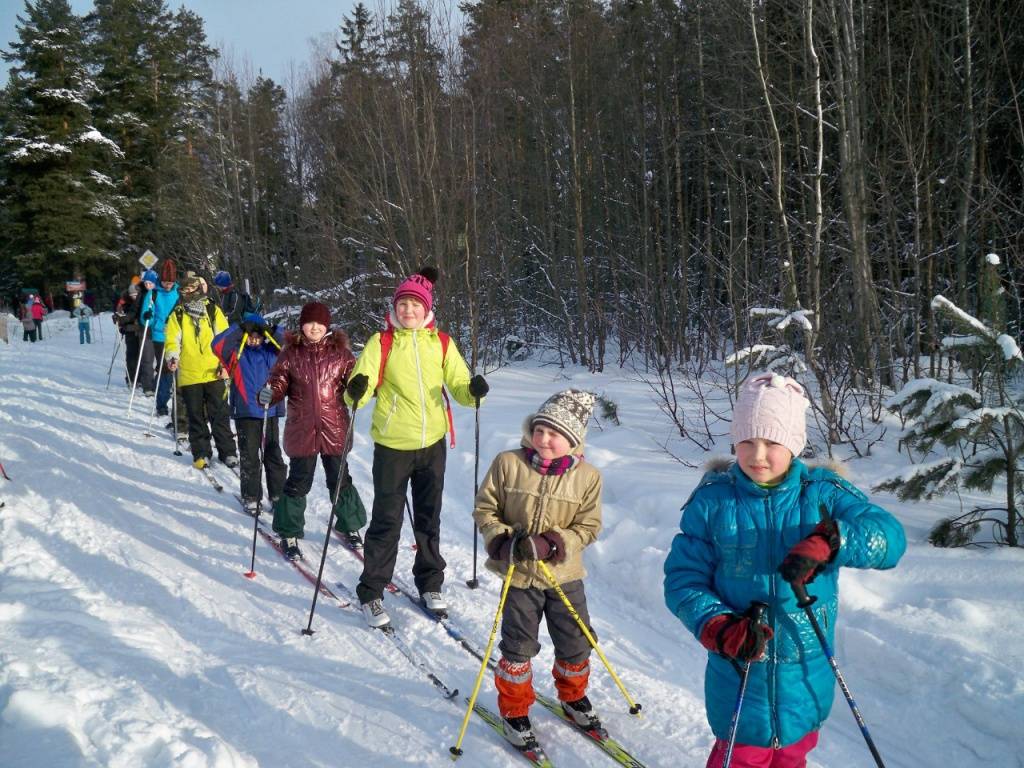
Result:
pixel 357 387
pixel 147 315
pixel 478 386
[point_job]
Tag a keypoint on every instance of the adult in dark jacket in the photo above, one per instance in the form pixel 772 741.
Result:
pixel 312 372
pixel 248 351
pixel 234 304
pixel 141 314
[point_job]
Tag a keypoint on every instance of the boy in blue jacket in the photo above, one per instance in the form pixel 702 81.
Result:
pixel 165 299
pixel 747 534
pixel 249 364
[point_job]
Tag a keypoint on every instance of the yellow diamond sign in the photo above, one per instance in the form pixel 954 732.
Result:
pixel 148 259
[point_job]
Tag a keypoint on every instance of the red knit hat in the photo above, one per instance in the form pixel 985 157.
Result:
pixel 315 312
pixel 168 272
pixel 419 286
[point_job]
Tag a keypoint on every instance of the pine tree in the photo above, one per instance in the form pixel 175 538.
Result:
pixel 980 423
pixel 63 214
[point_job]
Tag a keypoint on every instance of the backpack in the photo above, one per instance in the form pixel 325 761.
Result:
pixel 387 340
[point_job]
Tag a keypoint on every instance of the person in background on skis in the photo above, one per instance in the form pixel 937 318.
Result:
pixel 188 348
pixel 312 372
pixel 750 530
pixel 542 501
pixel 248 351
pixel 410 364
pixel 141 314
pixel 165 299
pixel 124 317
pixel 38 312
pixel 234 304
pixel 84 315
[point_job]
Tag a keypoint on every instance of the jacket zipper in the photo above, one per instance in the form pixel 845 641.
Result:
pixel 423 396
pixel 772 665
pixel 534 526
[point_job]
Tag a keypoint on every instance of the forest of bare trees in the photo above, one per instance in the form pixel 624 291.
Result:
pixel 611 181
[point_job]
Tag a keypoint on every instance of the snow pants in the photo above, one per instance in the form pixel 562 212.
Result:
pixel 131 355
pixel 39 328
pixel 206 403
pixel 520 624
pixel 392 472
pixel 84 334
pixel 745 756
pixel 290 512
pixel 250 436
pixel 163 390
pixel 145 351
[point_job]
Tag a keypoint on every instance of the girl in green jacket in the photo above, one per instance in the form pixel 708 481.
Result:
pixel 411 364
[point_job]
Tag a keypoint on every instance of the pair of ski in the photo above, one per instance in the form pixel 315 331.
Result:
pixel 346 600
pixel 610 746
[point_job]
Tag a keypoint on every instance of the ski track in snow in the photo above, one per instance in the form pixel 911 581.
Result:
pixel 128 636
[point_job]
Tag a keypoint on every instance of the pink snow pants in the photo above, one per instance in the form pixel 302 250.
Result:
pixel 743 756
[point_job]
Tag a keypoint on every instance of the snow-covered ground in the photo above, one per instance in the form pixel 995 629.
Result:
pixel 128 636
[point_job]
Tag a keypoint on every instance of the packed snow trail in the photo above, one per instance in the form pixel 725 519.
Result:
pixel 129 636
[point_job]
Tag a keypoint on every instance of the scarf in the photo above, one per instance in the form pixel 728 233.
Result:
pixel 558 466
pixel 195 308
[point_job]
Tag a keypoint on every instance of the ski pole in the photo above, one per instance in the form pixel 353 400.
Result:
pixel 256 521
pixel 756 612
pixel 634 708
pixel 457 749
pixel 805 601
pixel 408 511
pixel 174 411
pixel 117 346
pixel 330 523
pixel 3 473
pixel 473 583
pixel 138 367
pixel 159 373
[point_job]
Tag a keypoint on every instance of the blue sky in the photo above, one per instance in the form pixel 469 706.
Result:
pixel 269 33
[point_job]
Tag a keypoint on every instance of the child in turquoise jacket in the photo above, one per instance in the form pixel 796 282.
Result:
pixel 747 534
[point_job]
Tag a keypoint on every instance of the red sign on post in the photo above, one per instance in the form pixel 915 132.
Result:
pixel 74 286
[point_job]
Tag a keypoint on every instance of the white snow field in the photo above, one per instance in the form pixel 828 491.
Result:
pixel 129 637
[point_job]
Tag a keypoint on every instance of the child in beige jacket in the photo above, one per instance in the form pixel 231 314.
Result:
pixel 543 502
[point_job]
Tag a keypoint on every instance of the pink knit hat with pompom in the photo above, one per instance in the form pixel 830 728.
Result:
pixel 771 407
pixel 419 286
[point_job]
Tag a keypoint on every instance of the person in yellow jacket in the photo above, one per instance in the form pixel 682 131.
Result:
pixel 201 378
pixel 409 424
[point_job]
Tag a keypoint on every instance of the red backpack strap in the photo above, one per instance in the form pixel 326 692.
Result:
pixel 387 339
pixel 445 340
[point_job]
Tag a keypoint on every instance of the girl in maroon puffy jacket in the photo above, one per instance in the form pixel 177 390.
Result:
pixel 312 372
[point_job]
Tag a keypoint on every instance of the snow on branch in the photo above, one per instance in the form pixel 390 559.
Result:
pixel 1008 345
pixel 798 316
pixel 983 415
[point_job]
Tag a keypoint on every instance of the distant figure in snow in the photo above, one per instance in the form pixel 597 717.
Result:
pixel 84 315
pixel 125 317
pixel 249 364
pixel 408 367
pixel 312 372
pixel 38 313
pixel 750 530
pixel 542 502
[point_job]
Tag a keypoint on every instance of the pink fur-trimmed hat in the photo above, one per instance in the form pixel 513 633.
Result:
pixel 771 407
pixel 419 286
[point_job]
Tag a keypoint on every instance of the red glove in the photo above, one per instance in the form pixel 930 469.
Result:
pixel 810 555
pixel 735 636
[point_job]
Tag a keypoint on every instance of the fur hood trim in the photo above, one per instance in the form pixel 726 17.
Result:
pixel 335 337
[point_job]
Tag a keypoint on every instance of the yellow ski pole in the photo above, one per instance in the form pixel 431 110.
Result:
pixel 271 339
pixel 457 749
pixel 634 708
